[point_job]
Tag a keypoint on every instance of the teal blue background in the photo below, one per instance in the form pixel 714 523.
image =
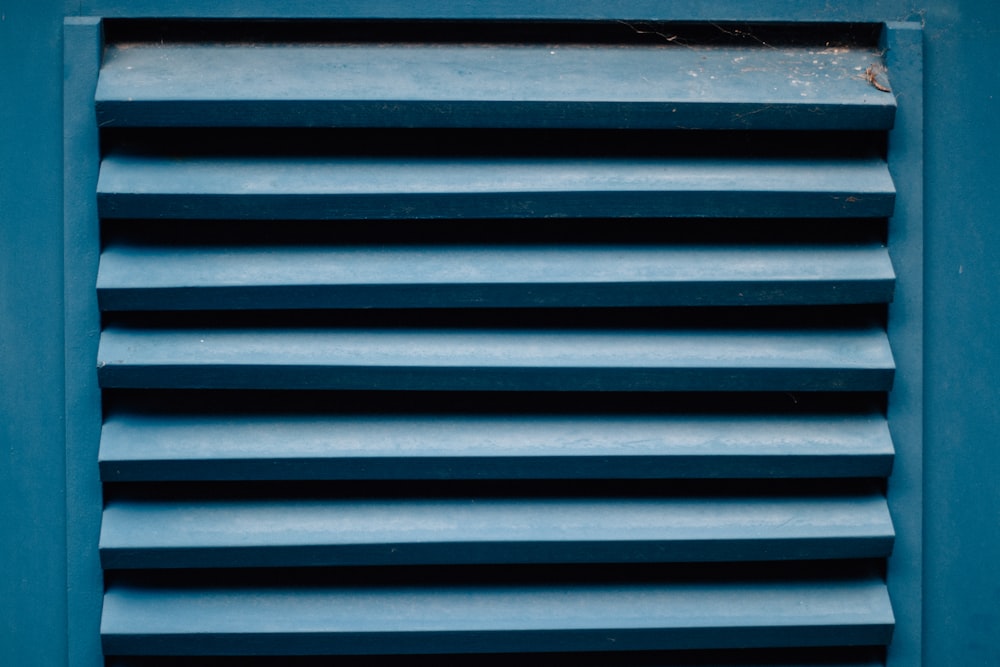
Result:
pixel 961 540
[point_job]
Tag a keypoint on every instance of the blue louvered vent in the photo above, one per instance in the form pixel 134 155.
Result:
pixel 562 345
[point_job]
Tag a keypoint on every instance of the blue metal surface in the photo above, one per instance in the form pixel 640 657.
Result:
pixel 137 186
pixel 559 85
pixel 161 446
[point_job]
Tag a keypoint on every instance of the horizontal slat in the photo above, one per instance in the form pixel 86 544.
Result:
pixel 537 360
pixel 179 619
pixel 167 277
pixel 135 186
pixel 252 532
pixel 260 446
pixel 596 86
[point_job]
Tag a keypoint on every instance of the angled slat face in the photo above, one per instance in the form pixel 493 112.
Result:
pixel 260 188
pixel 307 277
pixel 439 85
pixel 150 446
pixel 495 349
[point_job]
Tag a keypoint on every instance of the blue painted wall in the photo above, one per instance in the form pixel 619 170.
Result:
pixel 962 376
pixel 32 469
pixel 962 310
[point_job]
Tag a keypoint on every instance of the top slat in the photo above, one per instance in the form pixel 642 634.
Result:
pixel 509 86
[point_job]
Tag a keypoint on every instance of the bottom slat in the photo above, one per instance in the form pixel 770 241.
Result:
pixel 146 619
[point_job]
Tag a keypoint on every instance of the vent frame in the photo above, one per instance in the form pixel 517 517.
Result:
pixel 891 309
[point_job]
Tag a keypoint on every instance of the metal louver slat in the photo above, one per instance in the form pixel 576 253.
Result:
pixel 559 86
pixel 163 276
pixel 254 532
pixel 258 188
pixel 508 360
pixel 417 618
pixel 163 446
